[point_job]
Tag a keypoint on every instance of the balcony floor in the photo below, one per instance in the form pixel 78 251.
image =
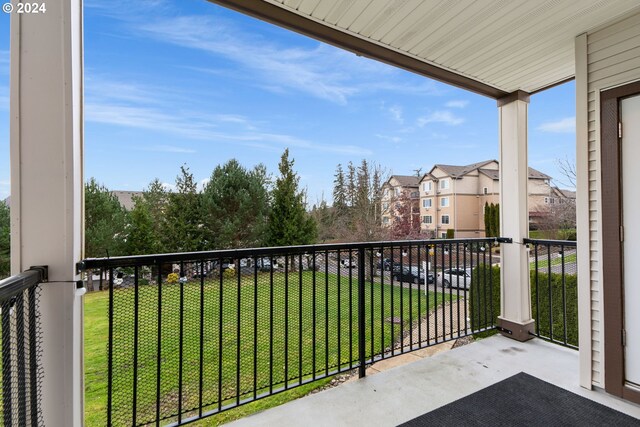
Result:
pixel 399 394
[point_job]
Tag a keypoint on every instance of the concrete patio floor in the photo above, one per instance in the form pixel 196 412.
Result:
pixel 401 393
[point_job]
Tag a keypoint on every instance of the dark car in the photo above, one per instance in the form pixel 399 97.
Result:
pixel 412 274
pixel 385 264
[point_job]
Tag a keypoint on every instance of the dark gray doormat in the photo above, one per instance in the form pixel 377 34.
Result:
pixel 523 400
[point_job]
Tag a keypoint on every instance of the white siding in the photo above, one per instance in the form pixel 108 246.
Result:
pixel 613 59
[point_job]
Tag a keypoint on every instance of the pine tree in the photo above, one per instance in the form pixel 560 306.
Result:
pixel 141 238
pixel 183 216
pixel 236 206
pixel 105 222
pixel 339 191
pixel 487 219
pixel 289 222
pixel 351 185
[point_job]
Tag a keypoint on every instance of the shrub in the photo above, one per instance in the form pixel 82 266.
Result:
pixel 542 310
pixel 450 233
pixel 484 304
pixel 172 278
pixel 484 311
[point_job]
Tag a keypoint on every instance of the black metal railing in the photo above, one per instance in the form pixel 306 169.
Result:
pixel 194 334
pixel 21 347
pixel 554 290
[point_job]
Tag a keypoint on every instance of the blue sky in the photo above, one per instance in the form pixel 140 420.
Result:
pixel 169 82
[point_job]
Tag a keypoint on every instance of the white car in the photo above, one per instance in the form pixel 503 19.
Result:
pixel 455 278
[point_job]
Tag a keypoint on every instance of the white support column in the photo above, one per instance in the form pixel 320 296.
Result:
pixel 515 298
pixel 47 189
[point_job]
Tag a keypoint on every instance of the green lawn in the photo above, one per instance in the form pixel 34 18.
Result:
pixel 543 261
pixel 260 327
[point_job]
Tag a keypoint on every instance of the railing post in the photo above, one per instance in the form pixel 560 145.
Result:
pixel 361 311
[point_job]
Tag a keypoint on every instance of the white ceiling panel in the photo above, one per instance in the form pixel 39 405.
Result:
pixel 502 45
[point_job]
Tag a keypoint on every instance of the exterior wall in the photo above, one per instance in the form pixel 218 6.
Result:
pixel 612 56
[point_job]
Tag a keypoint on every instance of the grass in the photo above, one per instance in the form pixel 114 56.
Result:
pixel 264 347
pixel 543 261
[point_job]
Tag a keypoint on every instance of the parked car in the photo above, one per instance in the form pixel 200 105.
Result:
pixel 455 277
pixel 384 264
pixel 412 274
pixel 348 263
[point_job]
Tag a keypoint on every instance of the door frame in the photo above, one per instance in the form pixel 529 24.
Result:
pixel 612 246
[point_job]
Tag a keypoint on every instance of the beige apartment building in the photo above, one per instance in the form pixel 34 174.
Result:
pixel 398 189
pixel 453 197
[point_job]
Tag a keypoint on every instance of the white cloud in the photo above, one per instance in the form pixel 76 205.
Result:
pixel 457 103
pixel 396 114
pixel 203 183
pixel 441 116
pixel 305 70
pixel 566 125
pixel 394 139
pixel 168 187
pixel 167 149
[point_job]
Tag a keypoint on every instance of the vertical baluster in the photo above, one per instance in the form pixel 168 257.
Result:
pixel 201 359
pixel 255 327
pixel 136 303
pixel 220 328
pixel 158 350
pixel 181 342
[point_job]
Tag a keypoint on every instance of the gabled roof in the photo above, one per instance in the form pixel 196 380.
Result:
pixel 459 171
pixel 495 174
pixel 405 180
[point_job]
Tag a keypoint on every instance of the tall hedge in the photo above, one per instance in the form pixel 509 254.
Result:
pixel 484 304
pixel 484 311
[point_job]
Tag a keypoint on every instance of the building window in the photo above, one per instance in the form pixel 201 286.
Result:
pixel 386 193
pixel 398 191
pixel 415 194
pixel 444 219
pixel 426 203
pixel 385 206
pixel 385 220
pixel 444 184
pixel 546 200
pixel 444 202
pixel 552 200
pixel 426 187
pixel 485 190
pixel 443 235
pixel 428 219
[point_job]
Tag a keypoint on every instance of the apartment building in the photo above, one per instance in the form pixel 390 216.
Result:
pixel 453 197
pixel 395 191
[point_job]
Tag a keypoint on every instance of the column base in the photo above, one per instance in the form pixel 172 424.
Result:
pixel 515 330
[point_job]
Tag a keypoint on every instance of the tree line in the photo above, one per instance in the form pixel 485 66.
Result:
pixel 237 208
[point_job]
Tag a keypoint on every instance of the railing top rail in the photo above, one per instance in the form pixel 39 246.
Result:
pixel 141 260
pixel 571 243
pixel 14 285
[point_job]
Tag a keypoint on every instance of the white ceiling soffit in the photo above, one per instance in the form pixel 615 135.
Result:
pixel 492 47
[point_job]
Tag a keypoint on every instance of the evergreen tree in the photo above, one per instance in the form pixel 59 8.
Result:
pixel 105 222
pixel 491 219
pixel 351 185
pixel 289 223
pixel 339 191
pixel 5 236
pixel 487 220
pixel 183 216
pixel 141 236
pixel 236 206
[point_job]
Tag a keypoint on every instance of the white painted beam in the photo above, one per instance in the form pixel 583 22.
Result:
pixel 515 301
pixel 582 211
pixel 47 189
